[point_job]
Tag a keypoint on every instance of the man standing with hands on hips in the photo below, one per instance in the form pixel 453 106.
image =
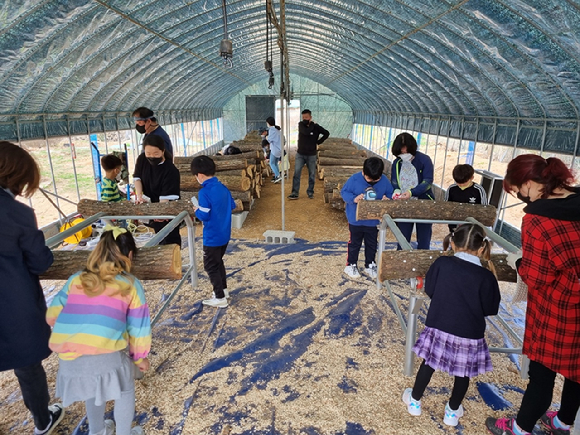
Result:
pixel 308 137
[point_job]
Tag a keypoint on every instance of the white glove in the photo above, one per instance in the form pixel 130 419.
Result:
pixel 512 258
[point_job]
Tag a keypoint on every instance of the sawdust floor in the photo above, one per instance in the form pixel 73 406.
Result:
pixel 300 349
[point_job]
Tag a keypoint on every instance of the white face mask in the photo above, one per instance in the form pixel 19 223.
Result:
pixel 407 157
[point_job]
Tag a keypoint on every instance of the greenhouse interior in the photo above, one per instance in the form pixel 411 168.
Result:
pixel 301 346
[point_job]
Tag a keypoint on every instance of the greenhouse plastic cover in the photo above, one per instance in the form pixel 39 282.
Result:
pixel 84 65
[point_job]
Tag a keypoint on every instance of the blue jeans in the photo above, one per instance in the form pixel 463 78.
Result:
pixel 424 232
pixel 310 162
pixel 274 165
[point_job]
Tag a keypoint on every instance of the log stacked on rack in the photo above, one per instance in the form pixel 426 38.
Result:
pixel 242 174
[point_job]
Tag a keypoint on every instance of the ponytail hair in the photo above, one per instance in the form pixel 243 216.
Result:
pixel 471 238
pixel 109 259
pixel 552 173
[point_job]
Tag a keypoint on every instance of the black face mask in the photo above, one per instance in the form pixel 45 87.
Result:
pixel 523 198
pixel 372 183
pixel 155 160
pixel 140 129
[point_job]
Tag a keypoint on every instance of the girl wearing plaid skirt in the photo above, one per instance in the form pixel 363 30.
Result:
pixel 462 294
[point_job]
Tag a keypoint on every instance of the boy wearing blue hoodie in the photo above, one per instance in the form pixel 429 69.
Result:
pixel 369 184
pixel 215 211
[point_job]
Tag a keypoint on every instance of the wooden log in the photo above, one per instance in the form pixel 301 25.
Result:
pixel 324 171
pixel 233 183
pixel 157 262
pixel 238 201
pixel 242 196
pixel 331 183
pixel 184 164
pixel 329 161
pixel 426 209
pixel 339 153
pixel 247 146
pixel 411 264
pixel 90 207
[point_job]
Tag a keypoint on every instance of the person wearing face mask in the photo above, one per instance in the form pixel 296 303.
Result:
pixel 412 176
pixel 464 189
pixel 309 136
pixel 112 166
pixel 157 177
pixel 24 333
pixel 369 184
pixel 549 265
pixel 146 123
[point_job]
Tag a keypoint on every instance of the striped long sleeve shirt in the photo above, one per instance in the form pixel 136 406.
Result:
pixel 107 323
pixel 110 191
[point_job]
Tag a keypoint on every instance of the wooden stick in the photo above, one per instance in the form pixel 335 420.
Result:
pixel 90 207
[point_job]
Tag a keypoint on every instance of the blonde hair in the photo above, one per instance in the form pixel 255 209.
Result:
pixel 106 262
pixel 471 238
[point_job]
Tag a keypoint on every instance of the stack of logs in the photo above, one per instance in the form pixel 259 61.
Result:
pixel 338 159
pixel 243 174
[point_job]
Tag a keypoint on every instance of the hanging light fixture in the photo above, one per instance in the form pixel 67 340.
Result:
pixel 226 46
pixel 268 66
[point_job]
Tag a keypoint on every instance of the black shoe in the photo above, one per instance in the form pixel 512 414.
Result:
pixel 56 415
pixel 293 196
pixel 310 196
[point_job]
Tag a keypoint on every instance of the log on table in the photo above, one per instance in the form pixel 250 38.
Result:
pixel 157 262
pixel 233 183
pixel 411 264
pixel 90 207
pixel 426 209
pixel 242 196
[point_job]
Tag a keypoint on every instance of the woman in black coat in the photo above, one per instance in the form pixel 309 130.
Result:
pixel 24 332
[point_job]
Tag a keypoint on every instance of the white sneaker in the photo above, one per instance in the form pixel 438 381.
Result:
pixel 137 430
pixel 352 271
pixel 413 406
pixel 215 302
pixel 371 270
pixel 109 427
pixel 226 293
pixel 452 417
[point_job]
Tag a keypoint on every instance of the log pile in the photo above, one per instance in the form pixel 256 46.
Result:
pixel 243 174
pixel 339 156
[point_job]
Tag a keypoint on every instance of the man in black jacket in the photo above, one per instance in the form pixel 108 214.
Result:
pixel 308 137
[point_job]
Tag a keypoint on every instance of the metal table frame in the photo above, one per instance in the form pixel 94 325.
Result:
pixel 184 216
pixel 416 298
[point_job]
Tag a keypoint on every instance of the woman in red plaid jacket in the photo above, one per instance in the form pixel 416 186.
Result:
pixel 550 266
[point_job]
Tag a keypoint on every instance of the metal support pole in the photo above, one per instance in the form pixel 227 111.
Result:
pixel 543 138
pixel 461 139
pixel 475 139
pixel 492 145
pixel 282 128
pixel 105 135
pixel 73 157
pixel 51 167
pixel 445 156
pixel 504 201
pixel 572 166
pixel 415 303
pixel 203 133
pixel 20 145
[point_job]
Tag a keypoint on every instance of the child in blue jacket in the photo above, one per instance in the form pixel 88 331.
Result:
pixel 369 184
pixel 215 211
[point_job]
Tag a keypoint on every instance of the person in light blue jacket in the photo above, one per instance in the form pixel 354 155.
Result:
pixel 369 184
pixel 215 211
pixel 276 141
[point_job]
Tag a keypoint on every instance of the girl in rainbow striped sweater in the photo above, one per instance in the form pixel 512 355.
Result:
pixel 98 313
